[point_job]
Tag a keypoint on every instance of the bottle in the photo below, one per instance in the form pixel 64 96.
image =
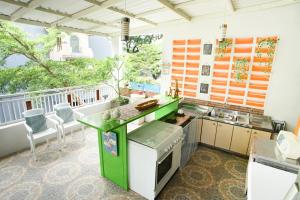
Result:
pixel 213 113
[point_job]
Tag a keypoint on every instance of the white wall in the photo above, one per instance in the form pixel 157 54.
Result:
pixel 283 100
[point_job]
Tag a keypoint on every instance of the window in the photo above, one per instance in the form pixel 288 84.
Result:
pixel 74 42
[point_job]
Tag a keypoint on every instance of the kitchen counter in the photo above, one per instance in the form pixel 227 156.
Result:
pixel 128 114
pixel 259 122
pixel 266 152
pixel 195 110
pixel 112 137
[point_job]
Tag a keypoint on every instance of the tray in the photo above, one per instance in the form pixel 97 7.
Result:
pixel 146 105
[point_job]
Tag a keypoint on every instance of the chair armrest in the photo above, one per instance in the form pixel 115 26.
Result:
pixel 51 123
pixel 28 129
pixel 78 115
pixel 57 118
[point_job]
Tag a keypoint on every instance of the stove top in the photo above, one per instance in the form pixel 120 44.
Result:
pixel 156 134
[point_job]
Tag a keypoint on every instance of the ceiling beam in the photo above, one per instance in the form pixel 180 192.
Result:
pixel 48 25
pixel 191 3
pixel 59 13
pixel 150 12
pixel 179 12
pixel 123 12
pixel 95 7
pixel 117 10
pixel 16 3
pixel 230 5
pixel 23 10
pixel 102 24
pixel 216 15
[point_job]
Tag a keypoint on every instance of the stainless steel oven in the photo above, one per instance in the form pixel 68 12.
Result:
pixel 163 167
pixel 154 153
pixel 167 164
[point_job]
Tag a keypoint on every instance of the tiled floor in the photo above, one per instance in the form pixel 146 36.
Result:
pixel 210 174
pixel 74 174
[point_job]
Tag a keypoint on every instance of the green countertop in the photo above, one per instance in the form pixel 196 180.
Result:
pixel 128 114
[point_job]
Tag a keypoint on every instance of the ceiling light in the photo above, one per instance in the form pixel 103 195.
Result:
pixel 125 28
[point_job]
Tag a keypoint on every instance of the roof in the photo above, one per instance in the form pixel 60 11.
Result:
pixel 102 17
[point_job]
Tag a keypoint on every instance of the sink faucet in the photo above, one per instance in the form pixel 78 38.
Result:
pixel 226 103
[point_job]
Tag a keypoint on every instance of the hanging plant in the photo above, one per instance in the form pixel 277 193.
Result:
pixel 223 46
pixel 266 49
pixel 240 69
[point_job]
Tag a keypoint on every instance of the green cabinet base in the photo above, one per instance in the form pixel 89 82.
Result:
pixel 114 168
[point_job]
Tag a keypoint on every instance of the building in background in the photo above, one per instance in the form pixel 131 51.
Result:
pixel 73 45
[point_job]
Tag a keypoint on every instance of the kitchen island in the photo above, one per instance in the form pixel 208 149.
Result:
pixel 114 164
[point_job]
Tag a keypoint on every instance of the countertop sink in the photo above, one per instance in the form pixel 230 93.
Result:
pixel 196 109
pixel 233 117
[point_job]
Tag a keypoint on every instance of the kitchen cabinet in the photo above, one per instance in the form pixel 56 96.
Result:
pixel 257 134
pixel 223 135
pixel 199 129
pixel 209 129
pixel 240 139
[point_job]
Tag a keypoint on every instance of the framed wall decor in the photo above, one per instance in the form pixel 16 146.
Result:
pixel 207 49
pixel 204 88
pixel 205 70
pixel 110 143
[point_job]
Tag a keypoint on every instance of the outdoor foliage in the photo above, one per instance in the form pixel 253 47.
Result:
pixel 144 66
pixel 135 42
pixel 42 73
pixel 80 71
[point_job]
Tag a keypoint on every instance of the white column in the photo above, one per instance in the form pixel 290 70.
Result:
pixel 116 45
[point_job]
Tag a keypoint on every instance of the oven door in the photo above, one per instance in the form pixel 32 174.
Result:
pixel 164 165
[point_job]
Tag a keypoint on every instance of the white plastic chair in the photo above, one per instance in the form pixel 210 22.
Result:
pixel 52 129
pixel 72 125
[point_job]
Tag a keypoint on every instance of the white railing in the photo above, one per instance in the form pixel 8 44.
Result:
pixel 12 106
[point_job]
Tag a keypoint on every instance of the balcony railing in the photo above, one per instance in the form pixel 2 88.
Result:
pixel 12 106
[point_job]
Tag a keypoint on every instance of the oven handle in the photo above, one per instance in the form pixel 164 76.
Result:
pixel 168 152
pixel 165 156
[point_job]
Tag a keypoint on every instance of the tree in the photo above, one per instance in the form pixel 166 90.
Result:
pixel 144 65
pixel 15 41
pixel 135 42
pixel 40 72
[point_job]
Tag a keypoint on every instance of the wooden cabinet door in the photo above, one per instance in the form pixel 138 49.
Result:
pixel 223 135
pixel 257 134
pixel 240 139
pixel 199 129
pixel 208 132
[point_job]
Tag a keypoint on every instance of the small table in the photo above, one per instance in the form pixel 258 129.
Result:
pixel 115 167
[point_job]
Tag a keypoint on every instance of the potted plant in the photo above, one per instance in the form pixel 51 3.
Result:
pixel 240 69
pixel 266 48
pixel 223 46
pixel 114 69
